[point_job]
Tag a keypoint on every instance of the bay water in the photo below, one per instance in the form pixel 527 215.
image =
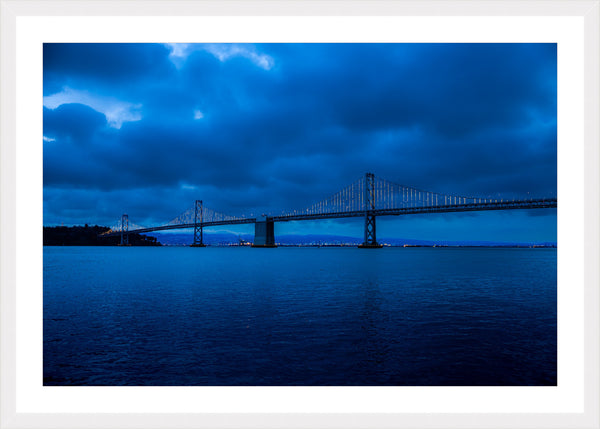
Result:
pixel 293 316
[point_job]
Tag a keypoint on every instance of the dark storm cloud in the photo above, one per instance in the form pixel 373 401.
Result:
pixel 106 65
pixel 277 126
pixel 75 122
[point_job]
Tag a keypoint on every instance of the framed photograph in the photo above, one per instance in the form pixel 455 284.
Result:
pixel 299 214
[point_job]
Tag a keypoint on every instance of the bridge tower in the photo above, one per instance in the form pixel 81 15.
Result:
pixel 198 220
pixel 125 230
pixel 369 206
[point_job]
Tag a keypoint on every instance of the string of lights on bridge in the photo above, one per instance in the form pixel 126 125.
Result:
pixel 368 193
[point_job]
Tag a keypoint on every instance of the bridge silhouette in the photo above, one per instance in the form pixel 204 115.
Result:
pixel 368 197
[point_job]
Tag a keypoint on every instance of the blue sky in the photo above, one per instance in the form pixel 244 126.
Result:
pixel 146 129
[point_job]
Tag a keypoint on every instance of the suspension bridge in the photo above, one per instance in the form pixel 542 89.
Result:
pixel 367 197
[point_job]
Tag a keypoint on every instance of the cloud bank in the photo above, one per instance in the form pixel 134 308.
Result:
pixel 147 128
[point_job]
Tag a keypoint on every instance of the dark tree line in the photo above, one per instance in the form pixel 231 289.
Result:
pixel 90 236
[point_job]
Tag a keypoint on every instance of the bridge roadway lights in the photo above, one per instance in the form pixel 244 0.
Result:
pixel 198 245
pixel 264 232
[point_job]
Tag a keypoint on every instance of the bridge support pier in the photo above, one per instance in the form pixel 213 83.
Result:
pixel 370 233
pixel 369 198
pixel 198 219
pixel 264 233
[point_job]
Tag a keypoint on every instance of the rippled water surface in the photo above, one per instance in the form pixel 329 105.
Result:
pixel 299 316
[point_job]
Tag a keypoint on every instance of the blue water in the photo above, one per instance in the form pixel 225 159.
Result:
pixel 299 316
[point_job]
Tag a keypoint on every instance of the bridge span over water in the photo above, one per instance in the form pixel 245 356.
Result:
pixel 368 197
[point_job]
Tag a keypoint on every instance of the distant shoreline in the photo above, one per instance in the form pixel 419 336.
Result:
pixel 92 236
pixel 324 245
pixel 512 246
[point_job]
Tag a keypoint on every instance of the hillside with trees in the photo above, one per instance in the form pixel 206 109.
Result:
pixel 90 236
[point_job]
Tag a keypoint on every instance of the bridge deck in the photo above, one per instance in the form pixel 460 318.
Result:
pixel 501 205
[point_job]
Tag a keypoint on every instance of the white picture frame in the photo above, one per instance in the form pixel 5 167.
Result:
pixel 141 16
